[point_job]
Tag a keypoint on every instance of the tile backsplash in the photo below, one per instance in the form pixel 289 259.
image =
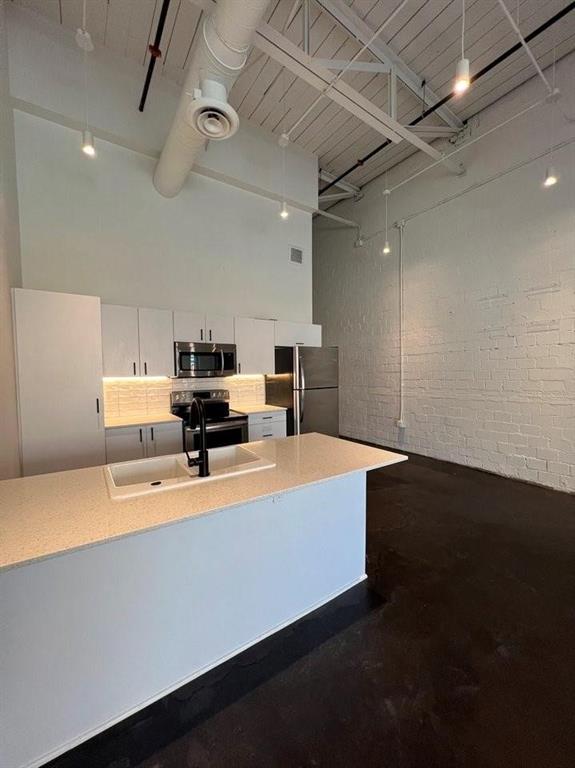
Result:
pixel 244 390
pixel 135 396
pixel 138 396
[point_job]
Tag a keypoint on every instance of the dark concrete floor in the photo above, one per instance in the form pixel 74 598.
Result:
pixel 461 653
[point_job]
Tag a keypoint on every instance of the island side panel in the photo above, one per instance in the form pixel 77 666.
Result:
pixel 92 636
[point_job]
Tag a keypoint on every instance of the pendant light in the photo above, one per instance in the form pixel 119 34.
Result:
pixel 386 193
pixel 84 42
pixel 462 79
pixel 88 147
pixel 283 142
pixel 551 177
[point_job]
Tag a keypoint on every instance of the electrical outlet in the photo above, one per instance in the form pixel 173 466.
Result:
pixel 400 423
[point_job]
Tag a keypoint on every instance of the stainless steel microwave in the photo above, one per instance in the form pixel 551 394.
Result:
pixel 193 360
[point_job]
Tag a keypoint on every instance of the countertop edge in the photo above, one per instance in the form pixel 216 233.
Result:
pixel 41 558
pixel 144 421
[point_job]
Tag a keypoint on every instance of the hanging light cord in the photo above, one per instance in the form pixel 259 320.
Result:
pixel 386 199
pixel 552 107
pixel 85 68
pixel 462 29
pixel 283 126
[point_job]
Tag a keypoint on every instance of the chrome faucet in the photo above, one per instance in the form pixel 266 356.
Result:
pixel 202 461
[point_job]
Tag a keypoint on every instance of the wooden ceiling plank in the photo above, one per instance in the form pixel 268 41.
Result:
pixel 182 33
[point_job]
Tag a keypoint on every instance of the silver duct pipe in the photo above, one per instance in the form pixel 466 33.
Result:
pixel 203 113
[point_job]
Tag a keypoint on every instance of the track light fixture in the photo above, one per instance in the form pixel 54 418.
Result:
pixel 284 213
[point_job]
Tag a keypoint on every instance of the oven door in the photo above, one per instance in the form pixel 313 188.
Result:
pixel 218 435
pixel 204 360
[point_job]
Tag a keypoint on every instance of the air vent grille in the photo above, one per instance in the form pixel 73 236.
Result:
pixel 296 255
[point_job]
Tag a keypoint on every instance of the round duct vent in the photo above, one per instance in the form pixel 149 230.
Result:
pixel 212 118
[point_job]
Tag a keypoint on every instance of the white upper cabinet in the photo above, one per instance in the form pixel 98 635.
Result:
pixel 156 342
pixel 297 334
pixel 120 340
pixel 220 329
pixel 190 326
pixel 137 342
pixel 59 362
pixel 255 344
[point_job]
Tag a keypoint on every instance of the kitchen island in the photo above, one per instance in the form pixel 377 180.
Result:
pixel 108 605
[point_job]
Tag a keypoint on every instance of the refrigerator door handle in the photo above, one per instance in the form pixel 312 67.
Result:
pixel 301 376
pixel 302 405
pixel 296 411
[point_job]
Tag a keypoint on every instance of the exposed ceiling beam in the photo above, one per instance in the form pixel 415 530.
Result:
pixel 286 53
pixel 347 186
pixel 434 131
pixel 358 28
pixel 358 66
pixel 289 55
pixel 332 198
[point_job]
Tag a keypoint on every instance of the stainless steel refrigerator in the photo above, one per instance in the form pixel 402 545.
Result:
pixel 306 383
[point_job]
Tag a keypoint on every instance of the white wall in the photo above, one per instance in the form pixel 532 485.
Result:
pixel 100 227
pixel 489 293
pixel 9 269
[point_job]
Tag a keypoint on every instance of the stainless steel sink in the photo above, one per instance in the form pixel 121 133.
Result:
pixel 128 479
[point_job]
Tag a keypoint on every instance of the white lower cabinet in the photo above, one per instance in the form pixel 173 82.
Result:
pixel 262 426
pixel 130 443
pixel 125 444
pixel 164 439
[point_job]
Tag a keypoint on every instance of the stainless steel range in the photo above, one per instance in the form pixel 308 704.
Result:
pixel 223 426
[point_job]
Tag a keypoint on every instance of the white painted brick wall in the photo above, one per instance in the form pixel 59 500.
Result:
pixel 489 305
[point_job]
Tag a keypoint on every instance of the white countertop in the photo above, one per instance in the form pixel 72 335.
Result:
pixel 114 422
pixel 252 409
pixel 46 515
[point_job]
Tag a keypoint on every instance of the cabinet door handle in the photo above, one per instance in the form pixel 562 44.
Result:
pixel 134 364
pixel 269 434
pixel 265 418
pixel 141 440
pixel 210 334
pixel 201 334
pixel 152 431
pixel 239 367
pixel 146 368
pixel 97 405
